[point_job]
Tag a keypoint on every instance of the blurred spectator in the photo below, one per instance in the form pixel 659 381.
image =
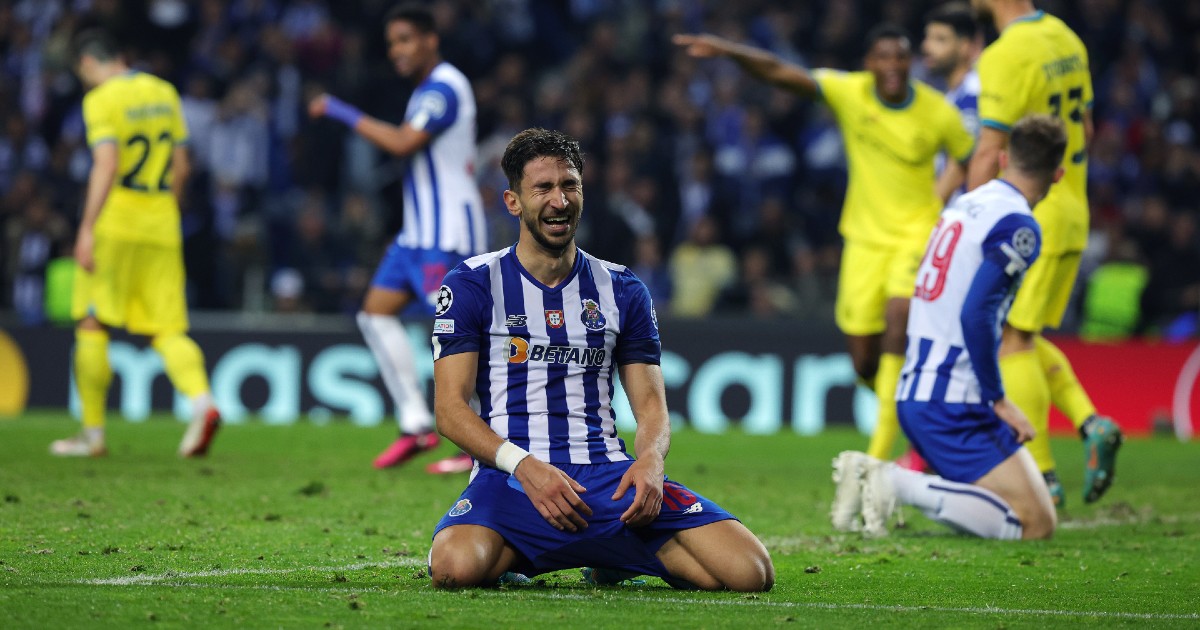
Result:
pixel 20 150
pixel 1173 289
pixel 670 143
pixel 287 291
pixel 30 242
pixel 1112 302
pixel 238 161
pixel 649 266
pixel 701 267
pixel 756 292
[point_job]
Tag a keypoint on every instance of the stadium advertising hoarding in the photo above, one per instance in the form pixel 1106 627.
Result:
pixel 764 376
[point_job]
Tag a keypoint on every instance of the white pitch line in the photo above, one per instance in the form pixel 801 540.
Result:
pixel 880 607
pixel 649 598
pixel 160 577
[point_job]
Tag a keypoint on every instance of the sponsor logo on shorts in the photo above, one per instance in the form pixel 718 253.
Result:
pixel 694 508
pixel 443 326
pixel 462 507
pixel 515 321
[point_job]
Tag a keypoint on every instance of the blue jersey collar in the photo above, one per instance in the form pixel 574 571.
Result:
pixel 538 283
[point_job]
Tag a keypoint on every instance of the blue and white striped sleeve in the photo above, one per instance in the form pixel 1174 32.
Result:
pixel 638 341
pixel 1008 250
pixel 436 108
pixel 460 319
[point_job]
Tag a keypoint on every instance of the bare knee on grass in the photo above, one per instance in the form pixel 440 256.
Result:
pixel 719 556
pixel 468 555
pixel 1019 482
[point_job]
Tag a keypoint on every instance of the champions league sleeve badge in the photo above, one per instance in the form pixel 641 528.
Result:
pixel 443 301
pixel 592 318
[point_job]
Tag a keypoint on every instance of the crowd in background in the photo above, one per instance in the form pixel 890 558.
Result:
pixel 721 193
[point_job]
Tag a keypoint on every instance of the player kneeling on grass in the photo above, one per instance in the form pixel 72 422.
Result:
pixel 950 398
pixel 525 343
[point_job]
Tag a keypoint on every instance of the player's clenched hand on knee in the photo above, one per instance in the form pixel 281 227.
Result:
pixel 554 494
pixel 1015 418
pixel 646 477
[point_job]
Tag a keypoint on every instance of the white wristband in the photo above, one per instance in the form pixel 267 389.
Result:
pixel 509 455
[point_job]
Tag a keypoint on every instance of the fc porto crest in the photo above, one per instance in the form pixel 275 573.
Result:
pixel 554 319
pixel 592 318
pixel 462 507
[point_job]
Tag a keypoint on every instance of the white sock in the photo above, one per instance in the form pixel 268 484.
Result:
pixel 394 355
pixel 201 404
pixel 94 435
pixel 961 506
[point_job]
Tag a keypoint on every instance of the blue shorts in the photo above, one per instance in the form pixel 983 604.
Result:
pixel 495 499
pixel 961 441
pixel 418 271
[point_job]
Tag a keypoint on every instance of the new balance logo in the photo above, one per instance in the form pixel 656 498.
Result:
pixel 515 321
pixel 694 508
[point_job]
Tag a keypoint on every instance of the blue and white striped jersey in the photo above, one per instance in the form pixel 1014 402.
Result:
pixel 442 207
pixel 972 267
pixel 546 355
pixel 966 98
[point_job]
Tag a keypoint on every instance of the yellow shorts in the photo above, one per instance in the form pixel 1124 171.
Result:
pixel 870 275
pixel 1044 293
pixel 135 286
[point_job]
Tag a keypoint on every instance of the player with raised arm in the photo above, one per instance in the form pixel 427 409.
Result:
pixel 1038 65
pixel 443 214
pixel 129 248
pixel 526 341
pixel 893 128
pixel 951 399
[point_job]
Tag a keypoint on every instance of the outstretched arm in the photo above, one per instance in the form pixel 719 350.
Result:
pixel 759 63
pixel 399 140
pixel 643 385
pixel 552 492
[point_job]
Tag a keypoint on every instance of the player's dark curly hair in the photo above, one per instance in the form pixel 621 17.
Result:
pixel 535 143
pixel 957 15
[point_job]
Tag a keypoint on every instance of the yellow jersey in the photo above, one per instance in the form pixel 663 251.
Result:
pixel 890 151
pixel 141 114
pixel 1039 66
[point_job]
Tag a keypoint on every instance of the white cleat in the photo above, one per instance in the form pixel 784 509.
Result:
pixel 878 497
pixel 200 432
pixel 848 468
pixel 78 446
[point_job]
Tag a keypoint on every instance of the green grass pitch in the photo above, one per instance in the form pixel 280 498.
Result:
pixel 291 527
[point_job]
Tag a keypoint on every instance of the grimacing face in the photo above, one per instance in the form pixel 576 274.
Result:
pixel 549 203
